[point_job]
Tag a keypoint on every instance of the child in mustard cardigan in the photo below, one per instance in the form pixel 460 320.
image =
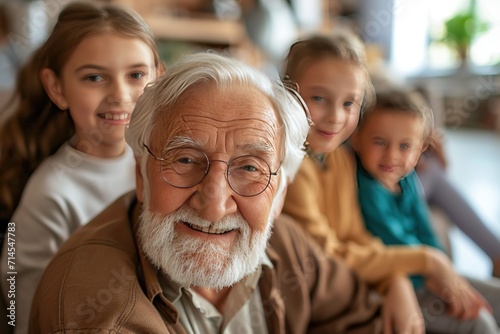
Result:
pixel 334 82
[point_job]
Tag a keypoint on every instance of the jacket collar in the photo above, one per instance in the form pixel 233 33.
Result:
pixel 148 275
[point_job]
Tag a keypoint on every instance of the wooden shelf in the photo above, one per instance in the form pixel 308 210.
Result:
pixel 198 30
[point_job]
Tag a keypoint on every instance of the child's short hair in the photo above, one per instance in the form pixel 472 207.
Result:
pixel 342 45
pixel 402 101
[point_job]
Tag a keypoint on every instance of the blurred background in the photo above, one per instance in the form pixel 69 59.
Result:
pixel 448 48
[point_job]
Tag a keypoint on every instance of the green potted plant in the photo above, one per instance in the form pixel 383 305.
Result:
pixel 461 29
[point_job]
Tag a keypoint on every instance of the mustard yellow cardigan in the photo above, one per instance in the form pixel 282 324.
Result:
pixel 323 199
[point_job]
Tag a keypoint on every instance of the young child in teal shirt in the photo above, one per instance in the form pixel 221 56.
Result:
pixel 388 142
pixel 398 218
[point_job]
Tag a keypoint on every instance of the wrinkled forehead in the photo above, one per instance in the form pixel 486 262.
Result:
pixel 234 120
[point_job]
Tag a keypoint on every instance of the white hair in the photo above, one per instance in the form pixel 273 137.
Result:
pixel 160 97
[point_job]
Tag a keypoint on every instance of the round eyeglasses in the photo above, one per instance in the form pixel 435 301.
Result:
pixel 247 175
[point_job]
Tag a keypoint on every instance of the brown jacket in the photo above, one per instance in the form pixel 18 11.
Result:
pixel 100 283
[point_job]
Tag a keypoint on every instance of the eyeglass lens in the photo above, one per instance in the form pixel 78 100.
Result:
pixel 186 167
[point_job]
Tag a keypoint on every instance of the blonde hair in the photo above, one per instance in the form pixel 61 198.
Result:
pixel 37 127
pixel 342 45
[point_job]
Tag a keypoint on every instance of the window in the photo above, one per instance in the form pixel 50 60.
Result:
pixel 419 27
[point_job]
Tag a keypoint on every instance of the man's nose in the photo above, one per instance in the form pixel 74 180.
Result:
pixel 214 197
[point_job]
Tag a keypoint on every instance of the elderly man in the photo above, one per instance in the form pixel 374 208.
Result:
pixel 190 251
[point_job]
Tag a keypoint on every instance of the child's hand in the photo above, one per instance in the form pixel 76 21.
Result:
pixel 401 313
pixel 463 301
pixel 467 303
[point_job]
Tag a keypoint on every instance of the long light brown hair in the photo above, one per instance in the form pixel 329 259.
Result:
pixel 36 127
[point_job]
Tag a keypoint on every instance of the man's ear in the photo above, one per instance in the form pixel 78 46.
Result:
pixel 52 86
pixel 139 182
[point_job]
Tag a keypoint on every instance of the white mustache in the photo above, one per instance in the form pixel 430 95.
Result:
pixel 191 261
pixel 191 217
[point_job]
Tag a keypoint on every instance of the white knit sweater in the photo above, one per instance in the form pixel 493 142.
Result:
pixel 65 192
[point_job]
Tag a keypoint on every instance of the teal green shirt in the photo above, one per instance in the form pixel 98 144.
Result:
pixel 397 219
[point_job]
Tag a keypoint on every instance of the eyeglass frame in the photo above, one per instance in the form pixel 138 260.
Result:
pixel 293 88
pixel 228 163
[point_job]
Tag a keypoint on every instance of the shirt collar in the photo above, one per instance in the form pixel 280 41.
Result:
pixel 173 291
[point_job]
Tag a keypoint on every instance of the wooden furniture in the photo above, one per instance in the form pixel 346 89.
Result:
pixel 468 97
pixel 187 23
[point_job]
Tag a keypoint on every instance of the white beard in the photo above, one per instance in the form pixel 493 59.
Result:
pixel 191 261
